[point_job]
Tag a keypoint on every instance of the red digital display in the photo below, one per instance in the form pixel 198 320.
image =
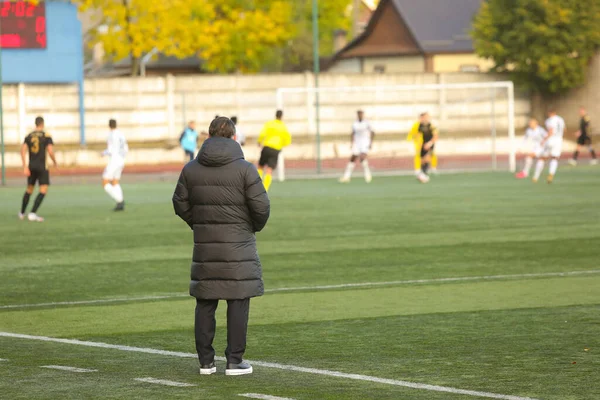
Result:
pixel 22 25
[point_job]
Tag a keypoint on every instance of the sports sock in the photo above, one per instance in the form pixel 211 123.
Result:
pixel 367 170
pixel 575 155
pixel 553 166
pixel 261 173
pixel 108 188
pixel 38 202
pixel 349 169
pixel 434 161
pixel 118 193
pixel 26 197
pixel 425 168
pixel 267 181
pixel 417 162
pixel 528 164
pixel 593 153
pixel 539 167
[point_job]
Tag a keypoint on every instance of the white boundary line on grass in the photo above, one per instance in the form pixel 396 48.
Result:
pixel 284 367
pixel 70 369
pixel 316 288
pixel 163 382
pixel 263 396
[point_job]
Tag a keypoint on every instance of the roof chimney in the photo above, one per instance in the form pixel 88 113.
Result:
pixel 339 40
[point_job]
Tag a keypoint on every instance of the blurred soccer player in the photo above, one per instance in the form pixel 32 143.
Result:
pixel 584 138
pixel 239 135
pixel 362 140
pixel 534 135
pixel 189 140
pixel 273 138
pixel 117 149
pixel 37 143
pixel 552 143
pixel 417 138
pixel 430 137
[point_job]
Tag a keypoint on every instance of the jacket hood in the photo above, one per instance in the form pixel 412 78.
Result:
pixel 219 151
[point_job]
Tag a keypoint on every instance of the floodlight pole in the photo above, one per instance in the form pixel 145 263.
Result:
pixel 316 70
pixel 2 119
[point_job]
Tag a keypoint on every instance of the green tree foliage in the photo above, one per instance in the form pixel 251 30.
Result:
pixel 297 54
pixel 546 45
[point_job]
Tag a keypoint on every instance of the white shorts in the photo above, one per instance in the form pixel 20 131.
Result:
pixel 537 149
pixel 552 148
pixel 360 147
pixel 114 169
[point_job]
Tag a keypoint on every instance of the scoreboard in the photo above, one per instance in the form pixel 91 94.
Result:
pixel 22 25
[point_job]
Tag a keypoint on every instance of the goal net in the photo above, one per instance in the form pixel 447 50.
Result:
pixel 476 122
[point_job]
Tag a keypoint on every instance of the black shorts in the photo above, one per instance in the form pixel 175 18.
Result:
pixel 269 157
pixel 584 140
pixel 41 176
pixel 425 152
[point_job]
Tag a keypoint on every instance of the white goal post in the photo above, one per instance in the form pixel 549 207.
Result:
pixel 395 105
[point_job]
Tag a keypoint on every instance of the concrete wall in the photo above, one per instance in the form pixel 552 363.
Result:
pixel 156 108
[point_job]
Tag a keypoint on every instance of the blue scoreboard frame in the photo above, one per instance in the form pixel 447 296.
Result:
pixel 61 61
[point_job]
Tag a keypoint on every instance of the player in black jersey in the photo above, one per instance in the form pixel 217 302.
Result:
pixel 430 136
pixel 37 144
pixel 584 138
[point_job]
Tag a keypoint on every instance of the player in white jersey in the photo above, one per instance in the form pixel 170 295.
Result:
pixel 532 142
pixel 240 137
pixel 117 149
pixel 552 146
pixel 362 139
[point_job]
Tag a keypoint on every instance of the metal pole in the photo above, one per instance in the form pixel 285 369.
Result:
pixel 2 120
pixel 512 162
pixel 316 70
pixel 494 155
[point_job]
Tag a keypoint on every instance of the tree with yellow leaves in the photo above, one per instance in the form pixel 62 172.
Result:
pixel 230 35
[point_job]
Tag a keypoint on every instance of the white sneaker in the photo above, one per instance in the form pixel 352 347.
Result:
pixel 344 179
pixel 21 216
pixel 593 162
pixel 433 171
pixel 572 162
pixel 368 178
pixel 35 218
pixel 423 178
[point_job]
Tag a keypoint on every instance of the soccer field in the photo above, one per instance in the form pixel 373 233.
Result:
pixel 473 286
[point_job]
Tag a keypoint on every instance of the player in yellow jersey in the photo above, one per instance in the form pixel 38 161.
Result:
pixel 273 137
pixel 417 138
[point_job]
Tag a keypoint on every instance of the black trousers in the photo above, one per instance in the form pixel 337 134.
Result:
pixel 237 328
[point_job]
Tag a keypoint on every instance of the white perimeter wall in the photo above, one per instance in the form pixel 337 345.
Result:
pixel 156 108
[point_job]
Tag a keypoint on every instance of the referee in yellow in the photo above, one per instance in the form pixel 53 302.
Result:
pixel 273 137
pixel 415 136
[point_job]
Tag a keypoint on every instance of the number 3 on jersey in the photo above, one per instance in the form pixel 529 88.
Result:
pixel 35 145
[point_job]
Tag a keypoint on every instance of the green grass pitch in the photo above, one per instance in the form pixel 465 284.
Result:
pixel 514 326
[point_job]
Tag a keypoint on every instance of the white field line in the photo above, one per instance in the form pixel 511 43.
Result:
pixel 317 288
pixel 284 367
pixel 163 382
pixel 70 369
pixel 3 359
pixel 263 396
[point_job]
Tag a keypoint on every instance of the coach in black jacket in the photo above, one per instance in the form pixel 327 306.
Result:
pixel 221 197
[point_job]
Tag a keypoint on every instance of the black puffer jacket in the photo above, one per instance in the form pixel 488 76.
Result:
pixel 221 197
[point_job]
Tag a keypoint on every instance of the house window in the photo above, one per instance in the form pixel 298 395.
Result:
pixel 379 69
pixel 469 68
